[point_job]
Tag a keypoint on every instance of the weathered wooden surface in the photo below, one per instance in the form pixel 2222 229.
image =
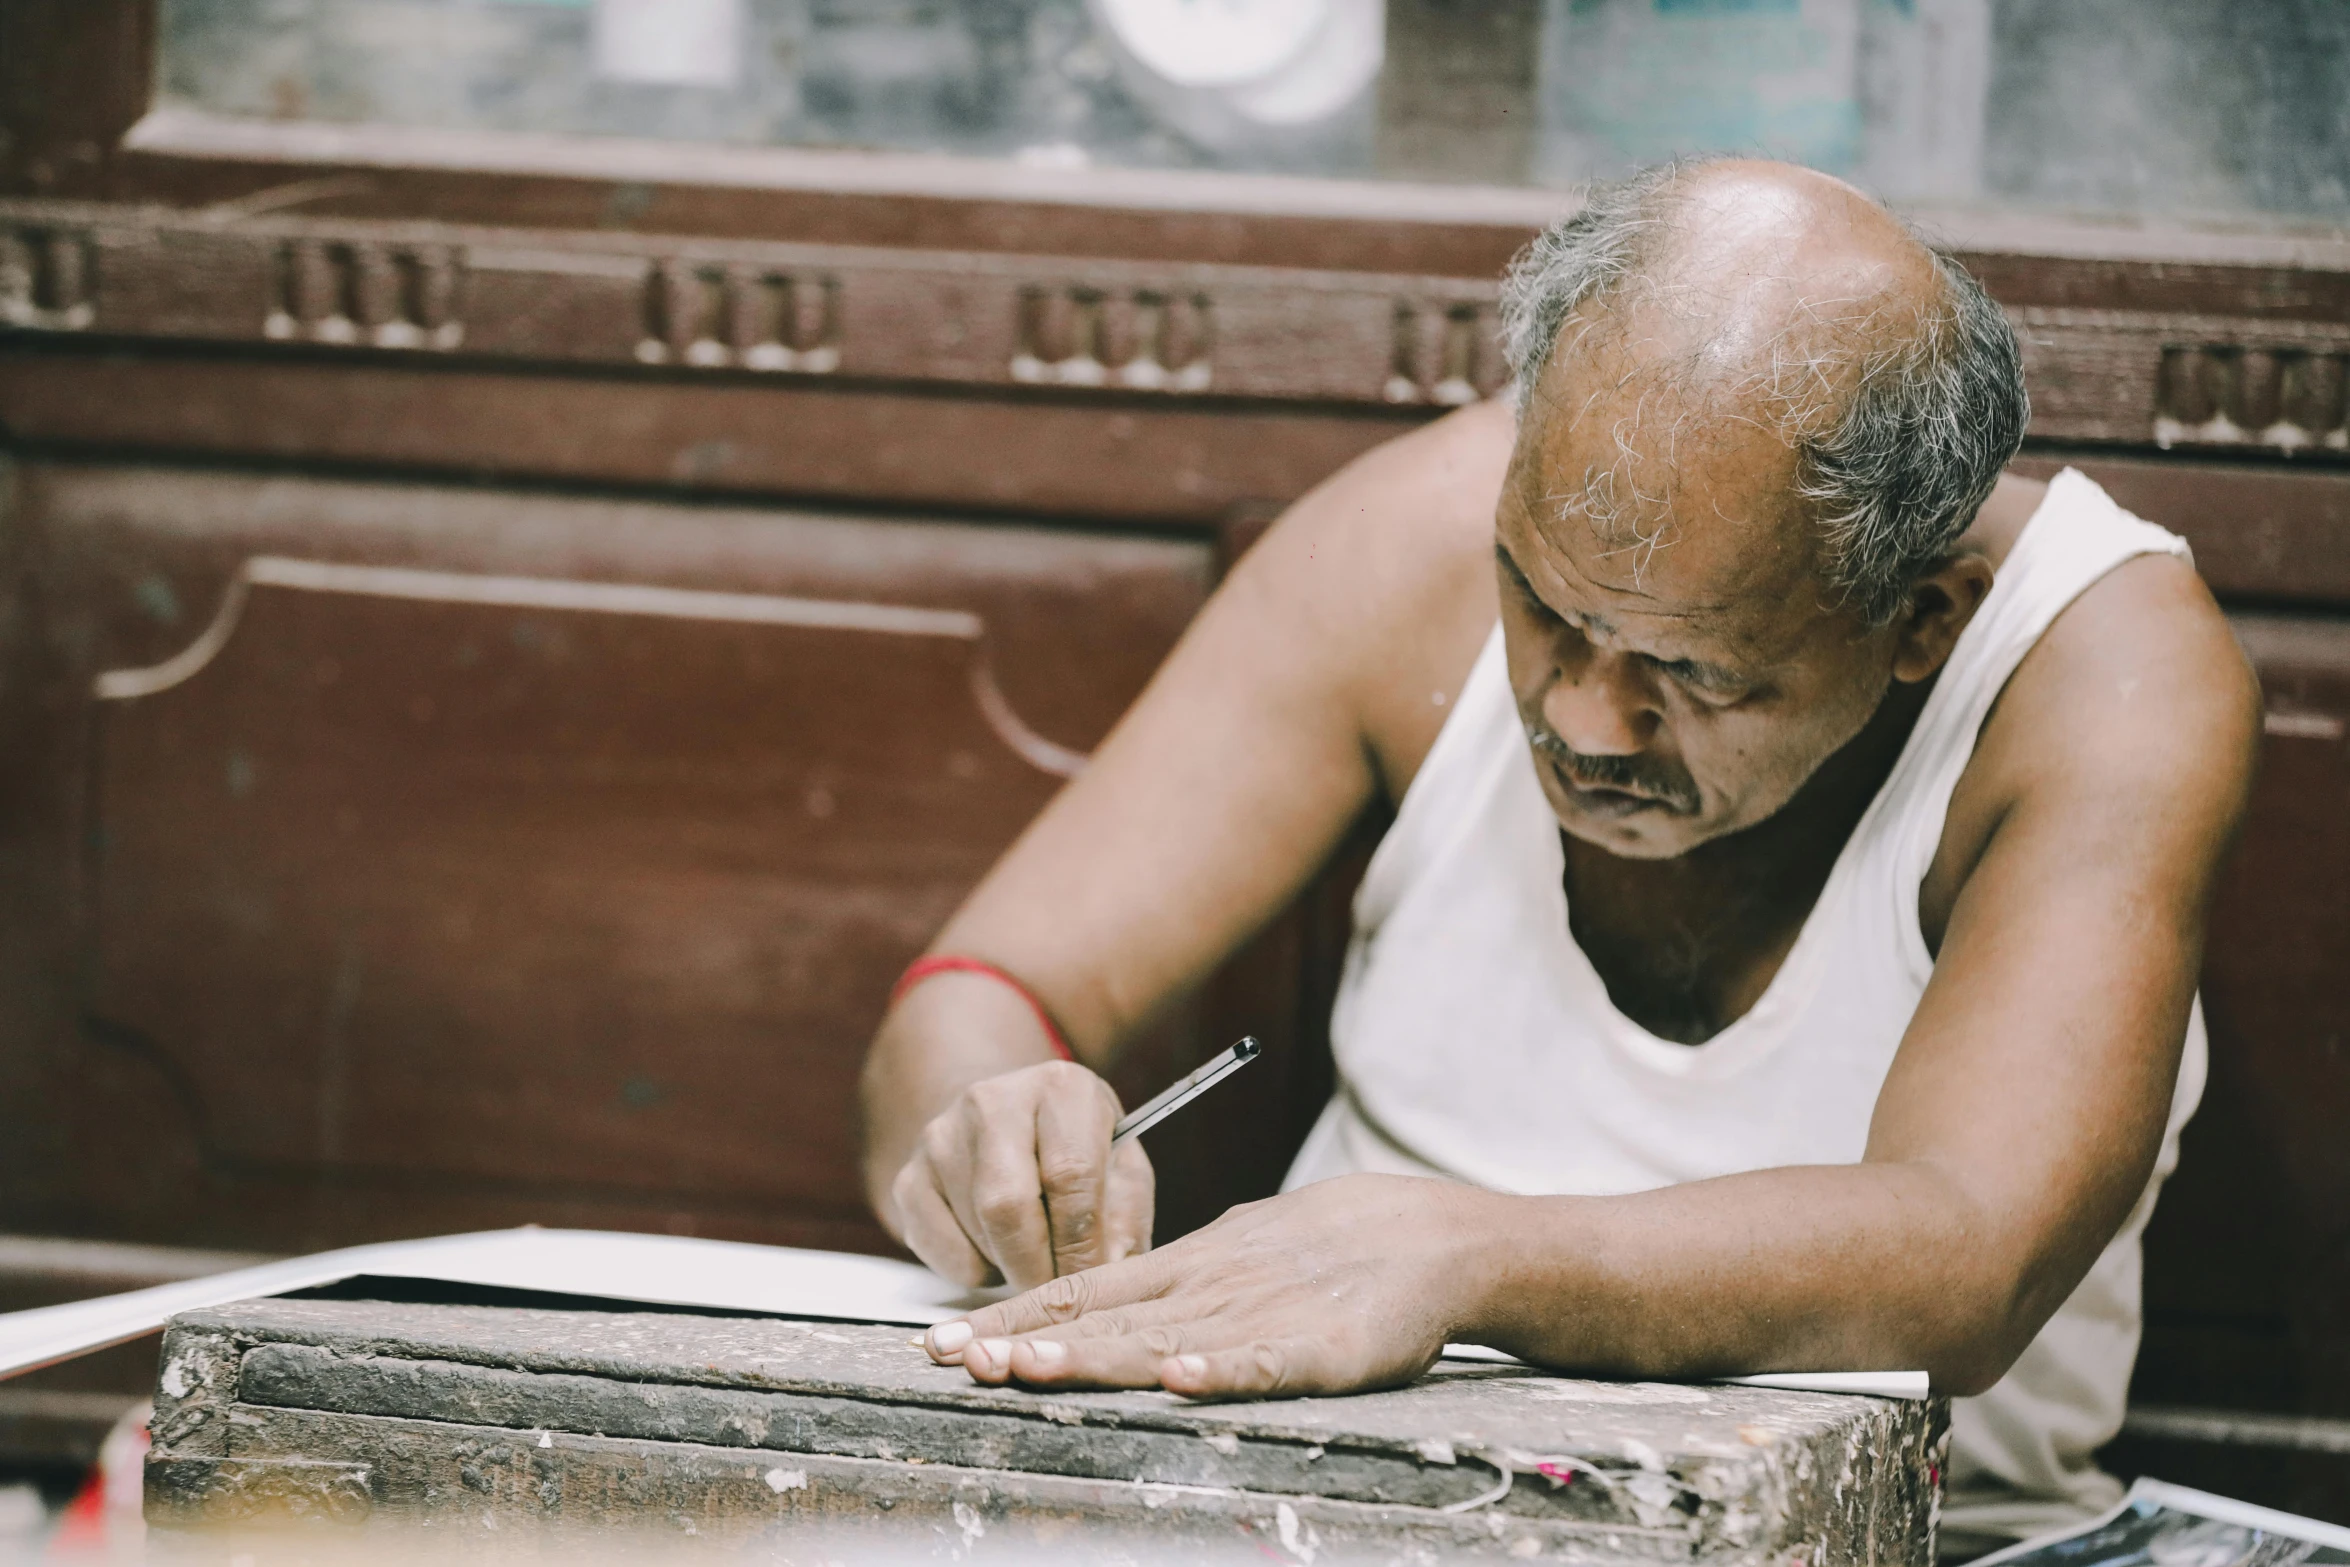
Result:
pixel 471 1421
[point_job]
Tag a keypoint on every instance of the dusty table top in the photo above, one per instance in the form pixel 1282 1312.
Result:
pixel 1666 1469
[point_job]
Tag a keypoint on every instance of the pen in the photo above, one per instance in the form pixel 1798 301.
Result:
pixel 1144 1117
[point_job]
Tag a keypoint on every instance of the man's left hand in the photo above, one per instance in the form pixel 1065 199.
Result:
pixel 1348 1284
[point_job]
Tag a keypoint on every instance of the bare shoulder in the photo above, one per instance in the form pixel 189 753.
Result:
pixel 1386 572
pixel 2136 716
pixel 2142 668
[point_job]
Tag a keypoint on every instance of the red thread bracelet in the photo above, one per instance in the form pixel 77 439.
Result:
pixel 947 963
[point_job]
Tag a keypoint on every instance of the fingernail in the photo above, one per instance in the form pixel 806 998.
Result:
pixel 995 1352
pixel 1047 1351
pixel 948 1338
pixel 1193 1365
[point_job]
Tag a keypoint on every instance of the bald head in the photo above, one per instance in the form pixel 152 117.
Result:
pixel 1750 237
pixel 1846 381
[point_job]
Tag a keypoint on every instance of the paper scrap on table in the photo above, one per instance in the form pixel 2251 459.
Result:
pixel 656 1270
pixel 2169 1523
pixel 1869 1384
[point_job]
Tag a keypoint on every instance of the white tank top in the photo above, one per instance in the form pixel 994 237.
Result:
pixel 1474 1040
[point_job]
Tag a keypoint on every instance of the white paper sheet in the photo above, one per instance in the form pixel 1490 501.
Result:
pixel 1869 1384
pixel 667 1270
pixel 662 1270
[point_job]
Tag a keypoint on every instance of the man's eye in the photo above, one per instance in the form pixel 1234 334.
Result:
pixel 1700 685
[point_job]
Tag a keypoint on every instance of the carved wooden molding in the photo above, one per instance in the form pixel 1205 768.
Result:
pixel 379 296
pixel 2185 380
pixel 1147 340
pixel 981 321
pixel 46 276
pixel 2254 393
pixel 607 598
pixel 718 317
pixel 997 322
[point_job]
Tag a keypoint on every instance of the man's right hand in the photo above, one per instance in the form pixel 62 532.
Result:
pixel 1017 1181
pixel 1288 708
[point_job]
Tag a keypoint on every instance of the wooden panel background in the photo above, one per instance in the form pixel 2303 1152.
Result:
pixel 658 852
pixel 564 885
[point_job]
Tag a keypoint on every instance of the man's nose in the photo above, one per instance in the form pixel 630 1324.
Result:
pixel 1600 706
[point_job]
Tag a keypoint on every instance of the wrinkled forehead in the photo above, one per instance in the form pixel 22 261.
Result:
pixel 1635 491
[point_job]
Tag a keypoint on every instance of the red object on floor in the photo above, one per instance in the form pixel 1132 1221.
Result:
pixel 82 1524
pixel 104 1519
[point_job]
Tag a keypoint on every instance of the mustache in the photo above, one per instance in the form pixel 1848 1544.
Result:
pixel 1645 776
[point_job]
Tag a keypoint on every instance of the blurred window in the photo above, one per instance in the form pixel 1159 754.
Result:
pixel 2184 108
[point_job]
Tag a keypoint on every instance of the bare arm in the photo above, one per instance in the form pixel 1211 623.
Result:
pixel 2024 1111
pixel 2018 1125
pixel 1214 800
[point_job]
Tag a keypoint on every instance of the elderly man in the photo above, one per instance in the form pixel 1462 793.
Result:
pixel 1783 956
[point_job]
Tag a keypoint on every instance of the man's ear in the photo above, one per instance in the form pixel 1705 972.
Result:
pixel 1939 606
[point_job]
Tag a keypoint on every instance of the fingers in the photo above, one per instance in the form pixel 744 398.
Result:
pixel 946 1342
pixel 1060 1360
pixel 1264 1368
pixel 1002 1208
pixel 1024 1163
pixel 1131 1204
pixel 1074 1120
pixel 1180 1357
pixel 1321 1291
pixel 931 1230
pixel 1058 1303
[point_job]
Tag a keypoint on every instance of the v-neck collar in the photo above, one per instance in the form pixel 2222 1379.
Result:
pixel 1759 1030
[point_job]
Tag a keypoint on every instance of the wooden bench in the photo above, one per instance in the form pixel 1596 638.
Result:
pixel 484 1425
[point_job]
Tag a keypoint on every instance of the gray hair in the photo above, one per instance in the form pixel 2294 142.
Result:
pixel 1894 468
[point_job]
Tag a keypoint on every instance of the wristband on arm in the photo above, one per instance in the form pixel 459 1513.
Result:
pixel 948 963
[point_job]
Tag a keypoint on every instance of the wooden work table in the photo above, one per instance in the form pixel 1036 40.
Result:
pixel 489 1426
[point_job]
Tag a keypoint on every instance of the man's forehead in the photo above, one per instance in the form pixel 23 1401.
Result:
pixel 1702 535
pixel 1742 636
